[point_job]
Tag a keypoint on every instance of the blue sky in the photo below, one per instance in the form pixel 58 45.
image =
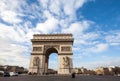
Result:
pixel 95 25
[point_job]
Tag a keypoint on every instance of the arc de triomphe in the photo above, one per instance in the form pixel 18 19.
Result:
pixel 45 44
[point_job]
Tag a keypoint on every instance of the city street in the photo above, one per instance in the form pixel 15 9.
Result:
pixel 61 78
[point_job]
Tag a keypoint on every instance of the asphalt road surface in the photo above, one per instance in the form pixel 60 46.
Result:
pixel 61 78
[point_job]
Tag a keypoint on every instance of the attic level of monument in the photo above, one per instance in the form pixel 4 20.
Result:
pixel 52 37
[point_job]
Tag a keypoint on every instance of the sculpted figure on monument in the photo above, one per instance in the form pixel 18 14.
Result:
pixel 66 61
pixel 36 61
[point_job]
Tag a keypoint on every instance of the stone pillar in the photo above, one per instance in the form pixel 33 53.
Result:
pixel 46 64
pixel 65 65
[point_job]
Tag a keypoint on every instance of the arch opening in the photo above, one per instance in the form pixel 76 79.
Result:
pixel 51 61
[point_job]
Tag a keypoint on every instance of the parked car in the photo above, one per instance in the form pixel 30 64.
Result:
pixel 1 73
pixel 118 75
pixel 6 74
pixel 13 74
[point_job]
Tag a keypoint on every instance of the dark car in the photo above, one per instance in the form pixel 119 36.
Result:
pixel 6 74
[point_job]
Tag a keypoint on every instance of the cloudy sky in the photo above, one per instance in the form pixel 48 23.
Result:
pixel 95 25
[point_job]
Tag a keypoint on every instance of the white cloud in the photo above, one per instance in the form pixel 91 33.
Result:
pixel 48 26
pixel 114 38
pixel 13 52
pixel 90 49
pixel 73 5
pixel 44 3
pixel 86 38
pixel 79 3
pixel 10 17
pixel 58 5
pixel 12 34
pixel 99 48
pixel 9 5
pixel 55 6
pixel 9 11
pixel 63 23
pixel 77 27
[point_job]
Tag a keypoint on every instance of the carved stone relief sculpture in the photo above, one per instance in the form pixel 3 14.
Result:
pixel 66 61
pixel 37 48
pixel 36 61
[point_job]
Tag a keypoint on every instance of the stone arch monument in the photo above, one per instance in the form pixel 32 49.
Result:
pixel 45 44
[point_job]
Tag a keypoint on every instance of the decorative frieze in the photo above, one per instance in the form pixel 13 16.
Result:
pixel 50 43
pixel 37 48
pixel 66 48
pixel 51 46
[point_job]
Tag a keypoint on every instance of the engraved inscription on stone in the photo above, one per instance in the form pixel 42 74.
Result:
pixel 37 48
pixel 65 48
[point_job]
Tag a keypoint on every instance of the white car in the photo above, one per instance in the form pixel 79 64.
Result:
pixel 13 74
pixel 118 75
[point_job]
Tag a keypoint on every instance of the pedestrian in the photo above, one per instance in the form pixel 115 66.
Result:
pixel 73 75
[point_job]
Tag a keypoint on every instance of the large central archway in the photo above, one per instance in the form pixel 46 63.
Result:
pixel 48 52
pixel 45 44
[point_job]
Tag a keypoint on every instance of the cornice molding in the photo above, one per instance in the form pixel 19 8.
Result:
pixel 65 34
